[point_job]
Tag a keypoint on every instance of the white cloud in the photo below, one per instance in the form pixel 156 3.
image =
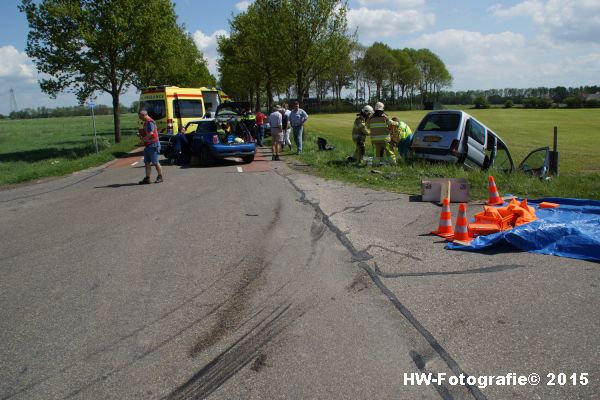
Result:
pixel 242 6
pixel 374 24
pixel 507 59
pixel 457 45
pixel 15 65
pixel 208 45
pixel 561 20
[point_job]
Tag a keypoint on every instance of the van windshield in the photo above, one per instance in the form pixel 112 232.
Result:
pixel 156 108
pixel 440 122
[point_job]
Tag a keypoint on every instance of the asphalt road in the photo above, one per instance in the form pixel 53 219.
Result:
pixel 260 282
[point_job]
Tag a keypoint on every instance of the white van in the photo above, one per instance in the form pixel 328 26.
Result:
pixel 455 136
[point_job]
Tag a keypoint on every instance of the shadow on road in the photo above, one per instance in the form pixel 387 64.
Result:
pixel 116 185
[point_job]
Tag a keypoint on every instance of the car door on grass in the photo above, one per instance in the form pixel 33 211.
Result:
pixel 537 162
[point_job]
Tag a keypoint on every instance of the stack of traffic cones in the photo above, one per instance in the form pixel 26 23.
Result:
pixel 461 231
pixel 494 198
pixel 445 226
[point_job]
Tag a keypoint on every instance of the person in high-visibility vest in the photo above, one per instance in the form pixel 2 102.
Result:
pixel 249 119
pixel 360 133
pixel 401 136
pixel 379 124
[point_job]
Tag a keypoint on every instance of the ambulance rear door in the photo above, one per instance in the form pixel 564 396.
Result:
pixel 187 105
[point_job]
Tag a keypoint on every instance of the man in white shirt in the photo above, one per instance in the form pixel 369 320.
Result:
pixel 286 127
pixel 276 132
pixel 297 119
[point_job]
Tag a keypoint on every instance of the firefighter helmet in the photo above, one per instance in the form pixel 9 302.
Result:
pixel 379 106
pixel 367 110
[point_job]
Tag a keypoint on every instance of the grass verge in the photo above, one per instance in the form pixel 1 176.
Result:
pixel 37 148
pixel 580 161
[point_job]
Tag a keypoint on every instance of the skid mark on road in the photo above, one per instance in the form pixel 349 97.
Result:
pixel 352 209
pixel 215 285
pixel 228 319
pixel 238 355
pixel 484 270
pixel 432 342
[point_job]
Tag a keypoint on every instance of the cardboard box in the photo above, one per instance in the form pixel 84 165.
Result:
pixel 436 189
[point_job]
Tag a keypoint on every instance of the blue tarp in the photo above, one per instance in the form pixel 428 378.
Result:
pixel 571 230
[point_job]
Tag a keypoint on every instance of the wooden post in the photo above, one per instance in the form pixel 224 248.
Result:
pixel 554 154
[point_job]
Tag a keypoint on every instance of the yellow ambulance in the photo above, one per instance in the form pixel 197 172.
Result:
pixel 171 106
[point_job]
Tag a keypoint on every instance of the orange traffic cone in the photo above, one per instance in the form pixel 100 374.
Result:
pixel 445 227
pixel 461 231
pixel 494 198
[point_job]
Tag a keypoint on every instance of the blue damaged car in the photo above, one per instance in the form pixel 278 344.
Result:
pixel 225 135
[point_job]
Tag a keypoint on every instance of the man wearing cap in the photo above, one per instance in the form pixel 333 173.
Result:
pixel 275 120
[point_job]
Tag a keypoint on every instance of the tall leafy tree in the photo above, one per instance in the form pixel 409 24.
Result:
pixel 404 74
pixel 315 28
pixel 251 58
pixel 181 63
pixel 89 46
pixel 433 75
pixel 356 56
pixel 379 64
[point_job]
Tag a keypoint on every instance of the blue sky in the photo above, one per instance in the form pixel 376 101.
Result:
pixel 484 44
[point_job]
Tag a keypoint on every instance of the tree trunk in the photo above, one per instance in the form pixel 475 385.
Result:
pixel 116 115
pixel 257 87
pixel 269 89
pixel 356 96
pixel 299 89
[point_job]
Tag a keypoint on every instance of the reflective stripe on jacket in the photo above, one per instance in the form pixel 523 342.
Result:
pixel 379 129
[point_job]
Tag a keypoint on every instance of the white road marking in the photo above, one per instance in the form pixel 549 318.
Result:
pixel 134 163
pixel 239 169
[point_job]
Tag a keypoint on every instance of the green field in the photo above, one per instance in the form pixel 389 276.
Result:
pixel 36 148
pixel 32 149
pixel 523 130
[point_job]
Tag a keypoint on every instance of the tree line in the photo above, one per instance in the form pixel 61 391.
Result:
pixel 91 46
pixel 540 97
pixel 72 111
pixel 294 48
pixel 289 49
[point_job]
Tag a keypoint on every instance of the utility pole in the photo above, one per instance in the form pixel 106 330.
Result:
pixel 13 101
pixel 91 106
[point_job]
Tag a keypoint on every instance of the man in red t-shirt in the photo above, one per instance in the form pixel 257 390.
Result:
pixel 149 136
pixel 260 127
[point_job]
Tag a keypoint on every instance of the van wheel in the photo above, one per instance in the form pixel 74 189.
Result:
pixel 206 157
pixel 248 159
